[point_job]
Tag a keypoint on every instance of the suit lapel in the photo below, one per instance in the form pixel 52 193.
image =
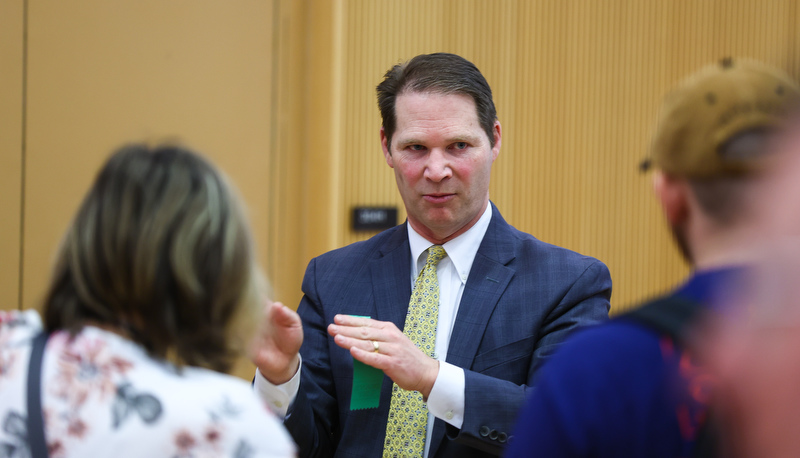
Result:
pixel 391 279
pixel 488 279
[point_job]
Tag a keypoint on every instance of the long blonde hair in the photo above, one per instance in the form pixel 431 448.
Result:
pixel 159 249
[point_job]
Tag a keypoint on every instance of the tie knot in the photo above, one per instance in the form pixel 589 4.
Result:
pixel 435 254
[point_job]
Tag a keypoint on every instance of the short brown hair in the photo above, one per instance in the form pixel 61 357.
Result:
pixel 159 249
pixel 440 73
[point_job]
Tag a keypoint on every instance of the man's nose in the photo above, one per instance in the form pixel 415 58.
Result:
pixel 438 166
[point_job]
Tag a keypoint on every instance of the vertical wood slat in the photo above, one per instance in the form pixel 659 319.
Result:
pixel 286 172
pixel 11 149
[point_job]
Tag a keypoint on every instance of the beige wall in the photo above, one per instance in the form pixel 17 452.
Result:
pixel 106 73
pixel 280 94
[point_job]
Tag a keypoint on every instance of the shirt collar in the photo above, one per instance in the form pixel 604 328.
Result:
pixel 461 250
pixel 716 287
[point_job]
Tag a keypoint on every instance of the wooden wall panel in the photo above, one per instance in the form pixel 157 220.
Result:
pixel 287 169
pixel 102 73
pixel 577 87
pixel 11 148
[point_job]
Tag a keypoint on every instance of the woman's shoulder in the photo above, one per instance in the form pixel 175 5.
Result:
pixel 125 397
pixel 18 325
pixel 208 408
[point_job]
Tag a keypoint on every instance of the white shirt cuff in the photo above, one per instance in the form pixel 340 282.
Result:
pixel 278 397
pixel 446 400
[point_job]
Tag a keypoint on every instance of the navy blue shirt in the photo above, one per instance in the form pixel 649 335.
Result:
pixel 618 389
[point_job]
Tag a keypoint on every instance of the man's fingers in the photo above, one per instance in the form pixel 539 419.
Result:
pixel 357 332
pixel 370 358
pixel 356 321
pixel 283 316
pixel 364 345
pixel 378 332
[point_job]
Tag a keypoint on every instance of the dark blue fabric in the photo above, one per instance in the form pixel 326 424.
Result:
pixel 710 287
pixel 613 390
pixel 35 422
pixel 520 301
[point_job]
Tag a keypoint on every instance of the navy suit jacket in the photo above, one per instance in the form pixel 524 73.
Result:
pixel 521 299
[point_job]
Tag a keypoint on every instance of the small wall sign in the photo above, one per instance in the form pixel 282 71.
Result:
pixel 374 218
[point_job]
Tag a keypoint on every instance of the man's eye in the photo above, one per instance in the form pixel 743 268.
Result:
pixel 416 147
pixel 460 145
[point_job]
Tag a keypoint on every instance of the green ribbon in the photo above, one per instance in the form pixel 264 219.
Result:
pixel 367 382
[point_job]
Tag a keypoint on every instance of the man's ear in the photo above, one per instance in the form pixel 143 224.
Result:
pixel 387 152
pixel 671 193
pixel 498 139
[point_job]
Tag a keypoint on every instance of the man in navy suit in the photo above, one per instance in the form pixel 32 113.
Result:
pixel 506 299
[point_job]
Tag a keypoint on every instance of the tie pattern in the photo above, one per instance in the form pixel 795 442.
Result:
pixel 408 414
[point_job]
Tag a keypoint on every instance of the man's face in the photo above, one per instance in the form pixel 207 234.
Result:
pixel 442 160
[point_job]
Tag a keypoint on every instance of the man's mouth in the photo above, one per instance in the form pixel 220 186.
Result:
pixel 438 197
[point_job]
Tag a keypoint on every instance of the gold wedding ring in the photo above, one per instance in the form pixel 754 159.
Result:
pixel 376 346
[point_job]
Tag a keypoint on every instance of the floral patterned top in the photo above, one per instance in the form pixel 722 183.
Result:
pixel 103 395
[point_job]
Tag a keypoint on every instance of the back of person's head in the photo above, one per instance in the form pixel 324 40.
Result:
pixel 161 252
pixel 715 129
pixel 441 73
pixel 751 348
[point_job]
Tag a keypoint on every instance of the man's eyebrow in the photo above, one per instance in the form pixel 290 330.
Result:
pixel 464 138
pixel 453 139
pixel 408 141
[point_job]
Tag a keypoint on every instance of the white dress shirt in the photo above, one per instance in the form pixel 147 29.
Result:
pixel 446 399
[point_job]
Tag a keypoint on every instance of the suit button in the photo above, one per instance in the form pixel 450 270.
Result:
pixel 502 438
pixel 484 431
pixel 493 435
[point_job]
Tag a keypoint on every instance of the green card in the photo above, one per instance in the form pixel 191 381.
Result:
pixel 367 382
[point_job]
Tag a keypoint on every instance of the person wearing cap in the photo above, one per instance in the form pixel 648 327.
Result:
pixel 629 387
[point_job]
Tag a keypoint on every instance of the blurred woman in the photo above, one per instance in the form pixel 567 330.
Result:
pixel 154 295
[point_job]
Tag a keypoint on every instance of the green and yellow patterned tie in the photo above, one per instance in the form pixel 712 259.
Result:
pixel 408 414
